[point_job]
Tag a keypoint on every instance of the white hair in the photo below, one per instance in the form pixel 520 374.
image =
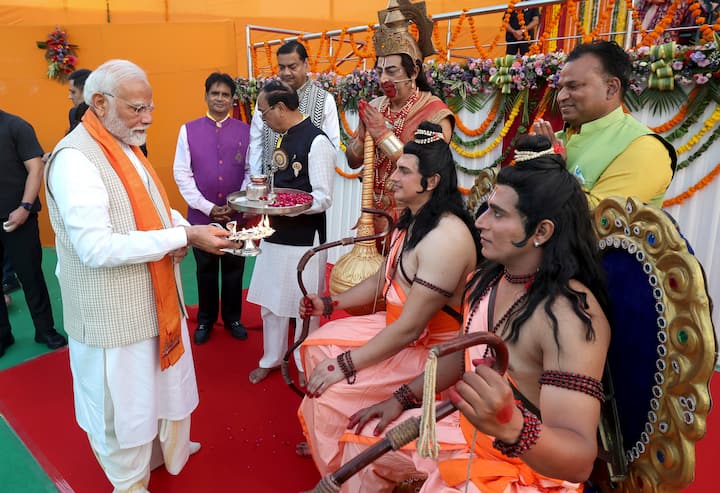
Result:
pixel 109 76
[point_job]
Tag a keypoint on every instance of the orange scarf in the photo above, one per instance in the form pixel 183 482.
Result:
pixel 147 218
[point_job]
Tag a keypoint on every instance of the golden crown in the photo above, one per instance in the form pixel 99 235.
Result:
pixel 393 38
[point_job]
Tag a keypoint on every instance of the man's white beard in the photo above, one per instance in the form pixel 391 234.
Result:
pixel 117 128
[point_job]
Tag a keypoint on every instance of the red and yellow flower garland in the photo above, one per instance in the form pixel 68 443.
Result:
pixel 490 118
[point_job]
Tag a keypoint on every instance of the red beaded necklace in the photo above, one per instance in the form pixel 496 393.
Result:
pixel 383 167
pixel 526 280
pixel 397 118
pixel 518 279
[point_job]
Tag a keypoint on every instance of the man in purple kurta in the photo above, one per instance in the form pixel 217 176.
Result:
pixel 210 163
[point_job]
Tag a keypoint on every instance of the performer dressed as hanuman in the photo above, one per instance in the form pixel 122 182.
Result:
pixel 393 118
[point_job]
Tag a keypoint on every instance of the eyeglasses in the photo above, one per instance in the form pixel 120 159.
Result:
pixel 263 112
pixel 139 109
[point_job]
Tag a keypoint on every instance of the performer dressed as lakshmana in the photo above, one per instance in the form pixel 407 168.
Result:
pixel 357 361
pixel 393 118
pixel 540 287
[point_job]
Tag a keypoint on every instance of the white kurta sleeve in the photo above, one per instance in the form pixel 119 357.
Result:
pixel 83 203
pixel 182 171
pixel 331 122
pixel 254 156
pixel 321 170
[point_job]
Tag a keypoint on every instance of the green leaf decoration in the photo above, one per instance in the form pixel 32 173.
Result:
pixel 662 101
pixel 525 111
pixel 471 102
pixel 714 88
pixel 702 99
pixel 632 100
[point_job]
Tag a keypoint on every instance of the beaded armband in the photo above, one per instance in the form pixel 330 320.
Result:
pixel 406 398
pixel 528 436
pixel 430 285
pixel 346 365
pixel 574 381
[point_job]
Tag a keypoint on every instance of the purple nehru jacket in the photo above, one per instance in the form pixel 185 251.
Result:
pixel 217 159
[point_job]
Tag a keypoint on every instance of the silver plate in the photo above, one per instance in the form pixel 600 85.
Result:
pixel 239 202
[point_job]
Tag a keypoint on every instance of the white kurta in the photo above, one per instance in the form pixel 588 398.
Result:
pixel 128 379
pixel 330 125
pixel 274 280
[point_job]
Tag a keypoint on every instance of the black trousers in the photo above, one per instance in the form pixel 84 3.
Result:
pixel 22 248
pixel 229 295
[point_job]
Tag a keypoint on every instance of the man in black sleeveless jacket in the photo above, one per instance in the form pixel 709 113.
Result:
pixel 305 160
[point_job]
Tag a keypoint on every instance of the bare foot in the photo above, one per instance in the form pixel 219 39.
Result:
pixel 303 449
pixel 260 374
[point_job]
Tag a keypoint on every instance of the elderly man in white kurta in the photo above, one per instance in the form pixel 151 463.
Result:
pixel 309 158
pixel 118 245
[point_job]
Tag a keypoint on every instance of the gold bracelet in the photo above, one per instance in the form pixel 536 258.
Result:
pixel 391 146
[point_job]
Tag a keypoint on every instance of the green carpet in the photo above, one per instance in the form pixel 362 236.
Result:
pixel 19 471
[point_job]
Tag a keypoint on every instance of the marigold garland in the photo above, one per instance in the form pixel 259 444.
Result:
pixel 637 23
pixel 547 31
pixel 481 152
pixel 441 52
pixel 369 51
pixel 254 58
pixel 706 30
pixel 680 116
pixel 457 29
pixel 503 28
pixel 523 28
pixel 706 145
pixel 476 39
pixel 333 58
pixel 664 23
pixel 542 106
pixel 318 55
pixel 468 144
pixel 707 179
pixel 349 176
pixel 268 56
pixel 690 120
pixel 573 13
pixel 490 118
pixel 602 22
pixel 241 111
pixel 345 124
pixel 709 124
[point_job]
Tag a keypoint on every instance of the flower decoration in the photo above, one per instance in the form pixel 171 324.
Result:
pixel 247 89
pixel 60 55
pixel 471 84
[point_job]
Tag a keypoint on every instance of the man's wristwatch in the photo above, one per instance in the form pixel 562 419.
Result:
pixel 26 205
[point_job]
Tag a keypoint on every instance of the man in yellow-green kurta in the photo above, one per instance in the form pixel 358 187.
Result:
pixel 609 152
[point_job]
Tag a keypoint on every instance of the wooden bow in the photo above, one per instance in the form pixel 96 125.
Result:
pixel 285 365
pixel 409 430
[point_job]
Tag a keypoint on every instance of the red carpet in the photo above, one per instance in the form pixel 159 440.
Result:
pixel 248 432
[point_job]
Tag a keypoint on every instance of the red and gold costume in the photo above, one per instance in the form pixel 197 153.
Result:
pixel 421 106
